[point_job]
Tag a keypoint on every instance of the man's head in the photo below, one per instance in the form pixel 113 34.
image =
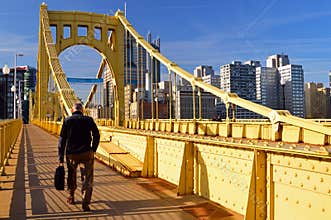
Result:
pixel 77 107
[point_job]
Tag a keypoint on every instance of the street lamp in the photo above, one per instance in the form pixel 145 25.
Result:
pixel 13 89
pixel 6 71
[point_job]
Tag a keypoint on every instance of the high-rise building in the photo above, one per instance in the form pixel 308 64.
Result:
pixel 255 63
pixel 143 64
pixel 138 69
pixel 268 87
pixel 330 79
pixel 292 82
pixel 317 100
pixel 152 65
pixel 241 79
pixel 203 70
pixel 25 81
pixel 184 104
pixel 277 60
pixel 213 80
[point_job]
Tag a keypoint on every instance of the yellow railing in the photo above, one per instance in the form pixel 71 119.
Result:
pixel 250 130
pixel 9 130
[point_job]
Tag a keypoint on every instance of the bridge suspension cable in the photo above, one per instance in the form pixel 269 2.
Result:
pixel 275 116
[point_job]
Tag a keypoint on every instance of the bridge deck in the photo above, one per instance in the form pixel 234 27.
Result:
pixel 28 193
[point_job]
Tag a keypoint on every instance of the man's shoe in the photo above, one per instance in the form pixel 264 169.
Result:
pixel 71 200
pixel 86 207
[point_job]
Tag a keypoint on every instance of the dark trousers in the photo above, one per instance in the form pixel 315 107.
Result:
pixel 87 160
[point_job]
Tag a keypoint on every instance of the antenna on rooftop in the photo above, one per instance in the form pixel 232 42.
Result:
pixel 125 9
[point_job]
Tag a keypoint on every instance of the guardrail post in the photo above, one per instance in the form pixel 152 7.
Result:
pixel 257 199
pixel 186 179
pixel 149 167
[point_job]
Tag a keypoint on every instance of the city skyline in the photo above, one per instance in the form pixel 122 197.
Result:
pixel 215 32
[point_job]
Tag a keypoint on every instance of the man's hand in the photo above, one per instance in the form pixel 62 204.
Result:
pixel 61 164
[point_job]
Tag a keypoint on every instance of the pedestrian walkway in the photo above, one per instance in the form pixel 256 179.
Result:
pixel 28 193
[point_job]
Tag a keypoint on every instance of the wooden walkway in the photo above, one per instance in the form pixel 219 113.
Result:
pixel 28 193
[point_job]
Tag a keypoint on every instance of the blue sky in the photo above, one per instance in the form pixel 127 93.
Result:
pixel 192 33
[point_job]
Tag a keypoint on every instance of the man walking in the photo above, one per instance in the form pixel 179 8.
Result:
pixel 75 140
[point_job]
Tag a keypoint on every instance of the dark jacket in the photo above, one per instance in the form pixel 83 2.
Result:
pixel 76 137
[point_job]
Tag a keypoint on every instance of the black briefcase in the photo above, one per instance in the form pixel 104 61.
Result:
pixel 59 178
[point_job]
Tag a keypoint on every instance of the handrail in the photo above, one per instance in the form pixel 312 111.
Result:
pixel 9 130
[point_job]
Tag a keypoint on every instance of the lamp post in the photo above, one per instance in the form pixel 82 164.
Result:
pixel 13 89
pixel 6 71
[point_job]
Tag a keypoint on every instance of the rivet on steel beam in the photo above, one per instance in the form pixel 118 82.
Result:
pixel 285 172
pixel 300 164
pixel 323 209
pixel 295 175
pixel 286 198
pixel 315 187
pixel 289 163
pixel 290 182
pixel 313 167
pixel 327 169
pixel 307 148
pixel 276 195
pixel 265 144
pixel 280 179
pixel 309 205
pixel 322 180
pixel 308 177
pixel 301 184
pixel 297 202
pixel 293 146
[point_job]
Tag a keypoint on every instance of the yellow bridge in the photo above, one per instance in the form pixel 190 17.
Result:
pixel 277 168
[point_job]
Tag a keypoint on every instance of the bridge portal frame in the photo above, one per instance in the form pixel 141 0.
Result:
pixel 110 46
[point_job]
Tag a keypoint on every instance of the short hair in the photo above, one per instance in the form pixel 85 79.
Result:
pixel 77 106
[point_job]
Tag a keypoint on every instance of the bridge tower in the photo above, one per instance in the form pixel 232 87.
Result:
pixel 109 44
